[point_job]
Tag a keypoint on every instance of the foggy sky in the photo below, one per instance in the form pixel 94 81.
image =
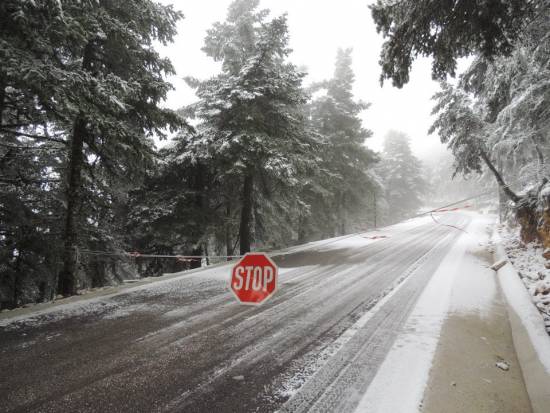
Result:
pixel 317 29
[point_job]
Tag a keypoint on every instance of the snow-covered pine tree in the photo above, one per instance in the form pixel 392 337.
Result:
pixel 340 192
pixel 460 124
pixel 174 212
pixel 401 173
pixel 251 129
pixel 31 155
pixel 92 74
pixel 30 218
pixel 448 30
pixel 499 114
pixel 119 94
pixel 513 94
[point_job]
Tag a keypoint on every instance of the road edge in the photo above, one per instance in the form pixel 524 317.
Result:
pixel 531 341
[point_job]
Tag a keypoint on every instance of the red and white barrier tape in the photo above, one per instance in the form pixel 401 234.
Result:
pixel 452 209
pixel 136 254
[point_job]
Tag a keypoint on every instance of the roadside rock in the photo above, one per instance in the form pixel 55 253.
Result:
pixel 502 365
pixel 498 265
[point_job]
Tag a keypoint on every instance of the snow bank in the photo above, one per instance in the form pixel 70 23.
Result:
pixel 531 340
pixel 530 264
pixel 520 301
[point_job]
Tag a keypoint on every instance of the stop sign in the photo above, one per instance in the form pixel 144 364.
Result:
pixel 254 278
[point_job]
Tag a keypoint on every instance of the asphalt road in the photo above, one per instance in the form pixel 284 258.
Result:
pixel 187 345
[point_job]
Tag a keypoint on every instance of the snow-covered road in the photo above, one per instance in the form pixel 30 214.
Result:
pixel 185 344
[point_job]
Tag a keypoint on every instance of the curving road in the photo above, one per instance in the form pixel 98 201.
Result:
pixel 185 345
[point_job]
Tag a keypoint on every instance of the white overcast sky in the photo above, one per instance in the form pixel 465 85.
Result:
pixel 317 28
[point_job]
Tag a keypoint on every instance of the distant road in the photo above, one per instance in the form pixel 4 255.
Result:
pixel 186 345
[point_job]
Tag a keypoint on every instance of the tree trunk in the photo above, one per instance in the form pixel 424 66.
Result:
pixel 540 157
pixel 525 208
pixel 375 209
pixel 17 281
pixel 245 235
pixel 302 230
pixel 337 215
pixel 206 256
pixel 68 276
pixel 505 188
pixel 2 99
pixel 342 214
pixel 228 241
pixel 196 262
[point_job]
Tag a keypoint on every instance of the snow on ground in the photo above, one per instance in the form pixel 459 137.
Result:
pixel 401 379
pixel 529 263
pixel 475 288
pixel 359 239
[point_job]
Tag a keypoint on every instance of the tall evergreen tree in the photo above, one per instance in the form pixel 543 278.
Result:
pixel 344 183
pixel 251 126
pixel 88 74
pixel 401 173
pixel 174 212
pixel 120 88
pixel 447 30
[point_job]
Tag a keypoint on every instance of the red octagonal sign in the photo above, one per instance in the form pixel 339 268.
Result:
pixel 254 278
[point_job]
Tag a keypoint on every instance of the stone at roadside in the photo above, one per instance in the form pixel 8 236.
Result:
pixel 502 365
pixel 542 289
pixel 498 265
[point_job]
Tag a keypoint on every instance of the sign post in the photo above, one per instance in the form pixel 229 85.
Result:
pixel 254 278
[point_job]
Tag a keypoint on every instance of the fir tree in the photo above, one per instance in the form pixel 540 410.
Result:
pixel 401 173
pixel 251 125
pixel 344 183
pixel 448 30
pixel 94 78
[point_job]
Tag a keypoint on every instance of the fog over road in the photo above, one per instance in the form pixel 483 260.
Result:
pixel 185 344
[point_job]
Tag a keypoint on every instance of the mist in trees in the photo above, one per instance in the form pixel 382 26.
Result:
pixel 340 192
pixel 402 178
pixel 496 117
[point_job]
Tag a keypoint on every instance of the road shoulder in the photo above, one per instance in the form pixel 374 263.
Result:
pixel 445 356
pixel 529 335
pixel 475 367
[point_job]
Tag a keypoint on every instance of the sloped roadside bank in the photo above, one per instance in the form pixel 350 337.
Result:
pixel 531 340
pixel 530 264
